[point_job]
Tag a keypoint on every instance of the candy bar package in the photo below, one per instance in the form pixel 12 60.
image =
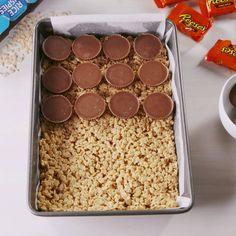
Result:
pixel 212 8
pixel 223 53
pixel 164 3
pixel 12 11
pixel 189 21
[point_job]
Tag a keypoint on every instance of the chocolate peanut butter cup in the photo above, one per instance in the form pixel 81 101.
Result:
pixel 158 106
pixel 87 75
pixel 124 105
pixel 120 75
pixel 56 48
pixel 147 46
pixel 232 96
pixel 90 106
pixel 86 47
pixel 56 108
pixel 56 79
pixel 153 73
pixel 116 47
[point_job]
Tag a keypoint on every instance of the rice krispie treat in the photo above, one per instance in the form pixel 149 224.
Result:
pixel 108 163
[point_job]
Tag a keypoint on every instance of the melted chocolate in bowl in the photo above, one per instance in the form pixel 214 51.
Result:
pixel 147 46
pixel 116 47
pixel 57 79
pixel 56 48
pixel 158 106
pixel 124 105
pixel 56 109
pixel 232 96
pixel 120 75
pixel 153 73
pixel 87 75
pixel 86 47
pixel 90 106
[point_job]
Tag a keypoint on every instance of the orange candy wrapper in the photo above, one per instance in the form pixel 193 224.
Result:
pixel 223 53
pixel 212 8
pixel 164 3
pixel 189 21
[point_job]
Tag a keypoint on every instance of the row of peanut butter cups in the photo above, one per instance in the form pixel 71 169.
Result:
pixel 115 47
pixel 90 106
pixel 57 79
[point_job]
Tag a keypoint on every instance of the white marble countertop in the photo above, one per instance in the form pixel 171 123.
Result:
pixel 213 151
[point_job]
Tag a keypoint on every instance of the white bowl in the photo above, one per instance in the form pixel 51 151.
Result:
pixel 226 110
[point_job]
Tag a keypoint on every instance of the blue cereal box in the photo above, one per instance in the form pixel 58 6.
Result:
pixel 11 11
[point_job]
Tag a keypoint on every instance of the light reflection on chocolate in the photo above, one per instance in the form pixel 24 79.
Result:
pixel 116 47
pixel 87 75
pixel 158 106
pixel 124 105
pixel 90 106
pixel 56 79
pixel 56 108
pixel 153 73
pixel 86 47
pixel 147 46
pixel 120 75
pixel 56 48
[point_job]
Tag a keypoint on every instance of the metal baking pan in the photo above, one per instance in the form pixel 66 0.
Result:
pixel 44 29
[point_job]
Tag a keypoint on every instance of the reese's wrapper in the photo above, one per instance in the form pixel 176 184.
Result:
pixel 189 21
pixel 164 3
pixel 223 53
pixel 212 8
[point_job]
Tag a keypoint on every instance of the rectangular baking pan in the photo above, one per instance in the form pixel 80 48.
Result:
pixel 42 30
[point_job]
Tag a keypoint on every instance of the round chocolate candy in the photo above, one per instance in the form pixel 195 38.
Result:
pixel 232 96
pixel 120 75
pixel 86 47
pixel 153 73
pixel 116 47
pixel 158 106
pixel 90 106
pixel 124 105
pixel 56 108
pixel 56 48
pixel 87 75
pixel 56 79
pixel 147 46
